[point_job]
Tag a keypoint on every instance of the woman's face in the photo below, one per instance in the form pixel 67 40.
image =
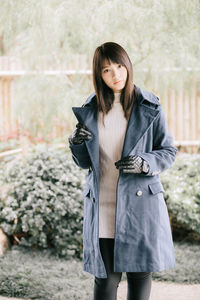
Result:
pixel 114 75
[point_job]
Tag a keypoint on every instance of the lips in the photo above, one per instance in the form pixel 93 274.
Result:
pixel 117 81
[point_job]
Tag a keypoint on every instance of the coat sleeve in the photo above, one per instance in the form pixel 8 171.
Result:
pixel 164 152
pixel 80 155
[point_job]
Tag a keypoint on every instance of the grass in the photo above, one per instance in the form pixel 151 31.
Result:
pixel 41 275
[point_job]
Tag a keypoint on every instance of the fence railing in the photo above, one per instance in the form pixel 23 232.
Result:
pixel 182 107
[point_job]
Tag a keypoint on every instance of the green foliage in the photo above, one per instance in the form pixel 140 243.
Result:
pixel 8 145
pixel 182 185
pixel 44 104
pixel 44 201
pixel 54 34
pixel 156 33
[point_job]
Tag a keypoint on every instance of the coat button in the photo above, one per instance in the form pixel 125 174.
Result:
pixel 93 199
pixel 139 193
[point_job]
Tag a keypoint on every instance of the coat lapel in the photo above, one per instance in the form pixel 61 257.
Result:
pixel 87 115
pixel 140 120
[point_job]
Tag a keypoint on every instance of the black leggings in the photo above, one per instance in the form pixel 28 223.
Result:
pixel 139 283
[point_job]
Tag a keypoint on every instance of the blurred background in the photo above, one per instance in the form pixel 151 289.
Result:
pixel 46 52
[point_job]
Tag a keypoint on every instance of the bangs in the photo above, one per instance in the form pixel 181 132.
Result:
pixel 111 56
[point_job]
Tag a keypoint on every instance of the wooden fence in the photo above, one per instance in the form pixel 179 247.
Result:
pixel 182 107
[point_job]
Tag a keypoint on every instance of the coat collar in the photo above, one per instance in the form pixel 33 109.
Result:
pixel 144 111
pixel 144 98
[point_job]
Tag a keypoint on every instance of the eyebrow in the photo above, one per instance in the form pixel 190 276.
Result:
pixel 105 66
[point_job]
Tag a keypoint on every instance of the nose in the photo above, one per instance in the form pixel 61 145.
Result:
pixel 116 74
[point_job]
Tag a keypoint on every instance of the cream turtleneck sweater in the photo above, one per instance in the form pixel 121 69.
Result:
pixel 111 139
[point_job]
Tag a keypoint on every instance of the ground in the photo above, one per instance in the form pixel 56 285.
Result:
pixel 159 291
pixel 166 291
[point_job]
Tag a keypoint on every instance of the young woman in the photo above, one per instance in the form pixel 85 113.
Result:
pixel 122 137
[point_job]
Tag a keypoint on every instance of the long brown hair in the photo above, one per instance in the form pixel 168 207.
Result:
pixel 105 96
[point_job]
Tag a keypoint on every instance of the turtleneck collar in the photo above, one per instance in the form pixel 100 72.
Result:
pixel 117 97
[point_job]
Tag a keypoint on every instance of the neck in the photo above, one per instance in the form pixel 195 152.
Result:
pixel 117 97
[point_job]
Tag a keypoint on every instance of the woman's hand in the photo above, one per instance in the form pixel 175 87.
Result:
pixel 132 164
pixel 80 134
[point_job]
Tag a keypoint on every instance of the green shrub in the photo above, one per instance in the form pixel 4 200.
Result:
pixel 44 203
pixel 182 194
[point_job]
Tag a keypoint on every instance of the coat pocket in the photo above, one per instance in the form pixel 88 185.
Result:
pixel 156 187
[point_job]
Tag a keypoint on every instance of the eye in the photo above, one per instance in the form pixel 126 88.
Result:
pixel 106 70
pixel 120 66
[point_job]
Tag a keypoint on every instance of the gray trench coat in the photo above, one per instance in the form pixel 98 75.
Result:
pixel 143 238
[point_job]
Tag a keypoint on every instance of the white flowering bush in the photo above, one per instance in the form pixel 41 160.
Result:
pixel 42 202
pixel 43 206
pixel 182 193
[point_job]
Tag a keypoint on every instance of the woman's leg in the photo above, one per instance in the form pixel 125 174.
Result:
pixel 106 288
pixel 139 285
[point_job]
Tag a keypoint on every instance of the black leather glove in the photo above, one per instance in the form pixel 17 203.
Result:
pixel 80 134
pixel 132 164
